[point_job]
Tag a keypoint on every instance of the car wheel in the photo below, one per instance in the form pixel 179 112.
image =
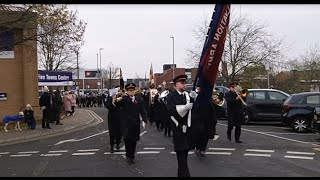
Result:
pixel 299 125
pixel 247 116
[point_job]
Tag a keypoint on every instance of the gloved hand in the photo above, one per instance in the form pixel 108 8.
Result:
pixel 43 108
pixel 143 124
pixel 188 106
pixel 193 94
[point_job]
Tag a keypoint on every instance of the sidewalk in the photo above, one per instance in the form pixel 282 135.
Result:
pixel 82 119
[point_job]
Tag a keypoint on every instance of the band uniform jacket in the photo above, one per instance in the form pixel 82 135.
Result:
pixel 182 141
pixel 165 116
pixel 203 122
pixel 113 118
pixel 235 109
pixel 130 117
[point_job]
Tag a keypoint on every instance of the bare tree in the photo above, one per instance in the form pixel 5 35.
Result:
pixel 247 43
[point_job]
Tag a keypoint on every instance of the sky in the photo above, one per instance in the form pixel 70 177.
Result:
pixel 134 36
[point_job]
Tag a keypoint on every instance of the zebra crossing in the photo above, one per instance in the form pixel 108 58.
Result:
pixel 267 153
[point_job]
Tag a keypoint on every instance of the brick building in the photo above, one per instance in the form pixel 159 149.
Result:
pixel 18 65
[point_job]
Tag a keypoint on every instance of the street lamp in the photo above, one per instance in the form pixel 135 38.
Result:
pixel 101 70
pixel 172 57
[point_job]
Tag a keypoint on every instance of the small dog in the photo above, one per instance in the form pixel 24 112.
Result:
pixel 16 119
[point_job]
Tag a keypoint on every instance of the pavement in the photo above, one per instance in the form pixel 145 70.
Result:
pixel 82 119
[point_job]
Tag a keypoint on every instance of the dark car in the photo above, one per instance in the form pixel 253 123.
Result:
pixel 297 110
pixel 264 105
pixel 315 125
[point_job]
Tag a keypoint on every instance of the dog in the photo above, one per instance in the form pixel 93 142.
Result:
pixel 16 119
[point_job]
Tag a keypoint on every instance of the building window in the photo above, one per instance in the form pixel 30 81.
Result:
pixel 7 45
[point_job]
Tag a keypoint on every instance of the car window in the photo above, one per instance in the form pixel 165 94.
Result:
pixel 276 96
pixel 250 95
pixel 315 99
pixel 259 95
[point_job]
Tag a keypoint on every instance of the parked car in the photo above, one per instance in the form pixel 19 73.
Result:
pixel 298 110
pixel 264 104
pixel 315 125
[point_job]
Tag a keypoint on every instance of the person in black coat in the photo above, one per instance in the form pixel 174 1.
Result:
pixel 45 104
pixel 29 117
pixel 114 123
pixel 57 107
pixel 157 111
pixel 235 112
pixel 179 105
pixel 203 125
pixel 165 116
pixel 132 111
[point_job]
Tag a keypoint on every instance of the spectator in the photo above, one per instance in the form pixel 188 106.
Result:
pixel 67 103
pixel 29 118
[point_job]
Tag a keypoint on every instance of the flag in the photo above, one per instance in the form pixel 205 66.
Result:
pixel 121 80
pixel 151 78
pixel 212 52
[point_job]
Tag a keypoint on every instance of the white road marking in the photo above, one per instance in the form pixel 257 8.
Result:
pixel 20 155
pixel 289 133
pixel 123 156
pixel 148 152
pixel 4 153
pixel 223 149
pixel 76 140
pixel 172 152
pixel 48 155
pixel 123 148
pixel 28 152
pixel 302 153
pixel 219 153
pixel 115 153
pixel 59 151
pixel 260 150
pixel 143 133
pixel 190 152
pixel 260 155
pixel 88 150
pixel 160 148
pixel 215 137
pixel 299 157
pixel 279 137
pixel 83 154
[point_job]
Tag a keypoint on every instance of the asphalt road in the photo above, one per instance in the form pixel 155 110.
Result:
pixel 267 150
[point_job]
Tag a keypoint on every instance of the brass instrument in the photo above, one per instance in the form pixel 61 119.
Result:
pixel 242 93
pixel 216 99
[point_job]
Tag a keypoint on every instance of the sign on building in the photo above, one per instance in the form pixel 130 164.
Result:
pixel 3 96
pixel 53 78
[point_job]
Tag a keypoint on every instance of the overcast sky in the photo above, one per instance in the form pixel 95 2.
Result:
pixel 134 36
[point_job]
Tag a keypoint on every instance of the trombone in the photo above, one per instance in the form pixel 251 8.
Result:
pixel 243 93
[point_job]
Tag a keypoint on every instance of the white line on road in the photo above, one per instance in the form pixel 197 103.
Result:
pixel 143 133
pixel 88 150
pixel 299 157
pixel 48 155
pixel 260 150
pixel 260 155
pixel 20 155
pixel 304 153
pixel 160 148
pixel 83 154
pixel 2 153
pixel 76 140
pixel 289 133
pixel 172 152
pixel 59 151
pixel 223 149
pixel 115 153
pixel 215 137
pixel 279 137
pixel 219 153
pixel 148 152
pixel 28 152
pixel 190 152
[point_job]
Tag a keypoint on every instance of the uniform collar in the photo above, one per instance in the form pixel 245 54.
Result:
pixel 180 93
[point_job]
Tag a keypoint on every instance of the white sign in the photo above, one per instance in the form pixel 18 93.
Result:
pixel 113 91
pixel 98 83
pixel 7 54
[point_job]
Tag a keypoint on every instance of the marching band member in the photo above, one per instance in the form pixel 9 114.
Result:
pixel 179 105
pixel 152 94
pixel 235 111
pixel 132 110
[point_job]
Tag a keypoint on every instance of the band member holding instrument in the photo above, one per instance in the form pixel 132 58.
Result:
pixel 179 104
pixel 235 111
pixel 132 111
pixel 153 92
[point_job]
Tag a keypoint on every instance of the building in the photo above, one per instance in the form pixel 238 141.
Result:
pixel 18 64
pixel 140 82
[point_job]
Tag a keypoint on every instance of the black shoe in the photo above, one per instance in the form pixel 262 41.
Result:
pixel 229 137
pixel 197 152
pixel 238 141
pixel 169 135
pixel 48 127
pixel 111 150
pixel 202 153
pixel 130 161
pixel 118 149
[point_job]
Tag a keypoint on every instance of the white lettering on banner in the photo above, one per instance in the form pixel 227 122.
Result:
pixel 41 77
pixel 63 78
pixel 51 77
pixel 218 34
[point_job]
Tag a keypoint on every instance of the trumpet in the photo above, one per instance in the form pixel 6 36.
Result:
pixel 243 93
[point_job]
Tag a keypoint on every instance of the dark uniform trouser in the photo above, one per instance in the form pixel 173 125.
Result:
pixel 130 146
pixel 57 115
pixel 236 133
pixel 45 118
pixel 114 139
pixel 183 170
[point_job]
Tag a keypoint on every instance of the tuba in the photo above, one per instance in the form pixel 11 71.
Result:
pixel 216 99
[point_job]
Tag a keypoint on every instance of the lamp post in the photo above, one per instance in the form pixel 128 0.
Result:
pixel 100 70
pixel 172 57
pixel 78 82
